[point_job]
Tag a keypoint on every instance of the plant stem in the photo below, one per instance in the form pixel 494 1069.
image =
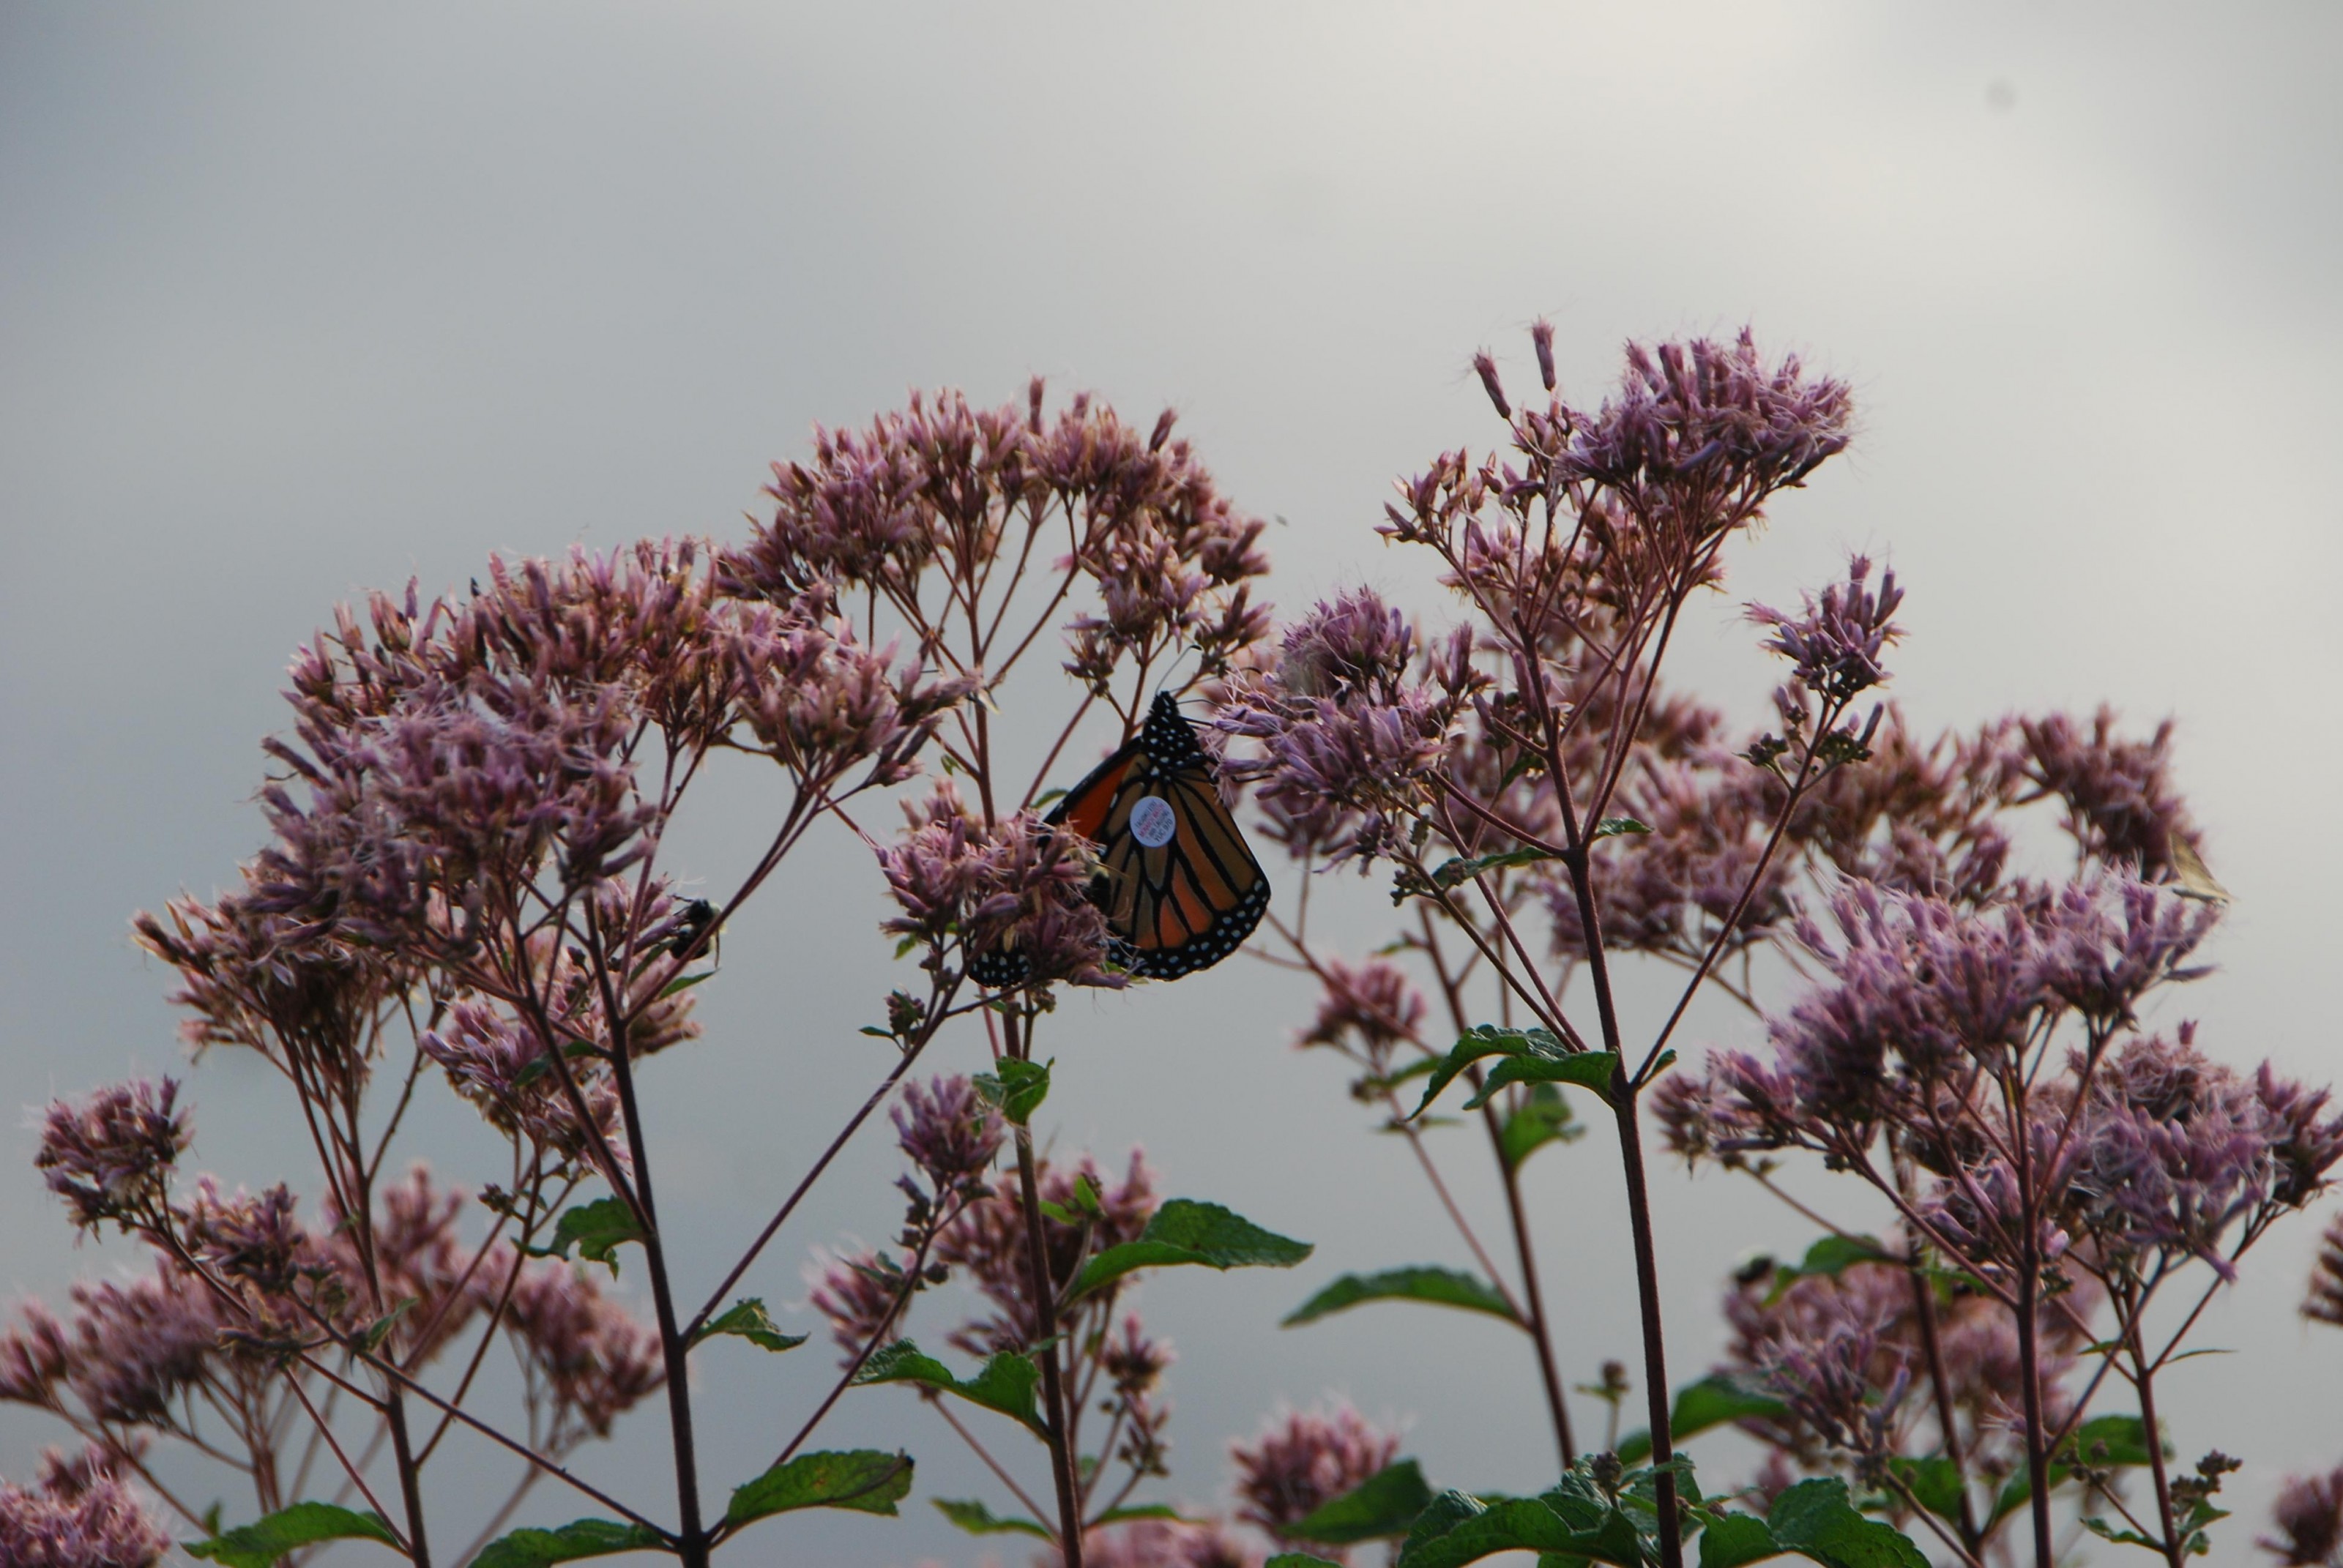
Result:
pixel 675 1350
pixel 1045 1324
pixel 1045 1327
pixel 2145 1380
pixel 1534 1299
pixel 411 1478
pixel 1647 1292
pixel 1624 1102
pixel 1924 1308
pixel 2029 1353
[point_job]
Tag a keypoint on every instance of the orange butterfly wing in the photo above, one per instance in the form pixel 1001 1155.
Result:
pixel 1180 889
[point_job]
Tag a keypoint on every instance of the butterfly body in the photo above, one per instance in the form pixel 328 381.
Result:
pixel 1179 890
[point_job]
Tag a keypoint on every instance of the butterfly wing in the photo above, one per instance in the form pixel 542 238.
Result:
pixel 1180 889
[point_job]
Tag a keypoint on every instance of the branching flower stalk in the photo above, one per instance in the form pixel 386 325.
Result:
pixel 1506 743
pixel 465 837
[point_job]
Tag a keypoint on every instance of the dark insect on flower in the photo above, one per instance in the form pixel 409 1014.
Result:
pixel 1180 889
pixel 696 932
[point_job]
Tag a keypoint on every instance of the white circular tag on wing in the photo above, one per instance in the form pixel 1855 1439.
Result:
pixel 1153 822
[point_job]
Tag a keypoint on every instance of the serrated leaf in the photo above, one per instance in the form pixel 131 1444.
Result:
pixel 1489 1039
pixel 1005 1383
pixel 263 1542
pixel 1615 827
pixel 1590 1070
pixel 1816 1518
pixel 1016 1088
pixel 978 1520
pixel 581 1538
pixel 1434 1286
pixel 748 1319
pixel 1185 1230
pixel 1541 1119
pixel 1455 1530
pixel 596 1229
pixel 1731 1540
pixel 866 1480
pixel 1383 1505
pixel 1712 1402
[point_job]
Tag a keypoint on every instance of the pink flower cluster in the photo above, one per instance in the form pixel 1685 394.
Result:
pixel 82 1515
pixel 1835 644
pixel 585 1359
pixel 988 1240
pixel 1365 1010
pixel 1010 902
pixel 1351 723
pixel 1301 1459
pixel 1846 1352
pixel 947 484
pixel 110 1157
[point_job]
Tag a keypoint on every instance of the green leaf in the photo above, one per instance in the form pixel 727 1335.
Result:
pixel 1731 1540
pixel 1085 1204
pixel 1590 1069
pixel 1384 1504
pixel 866 1480
pixel 1438 1287
pixel 1457 1529
pixel 584 1538
pixel 1004 1384
pixel 1298 1560
pixel 1186 1232
pixel 370 1339
pixel 262 1543
pixel 1544 1118
pixel 1482 1041
pixel 1935 1481
pixel 2104 1443
pixel 1830 1256
pixel 1712 1402
pixel 978 1520
pixel 2106 1531
pixel 1016 1088
pixel 596 1229
pixel 2109 1440
pixel 1815 1518
pixel 748 1319
pixel 1587 1069
pixel 684 983
pixel 1613 827
pixel 1410 883
pixel 1141 1511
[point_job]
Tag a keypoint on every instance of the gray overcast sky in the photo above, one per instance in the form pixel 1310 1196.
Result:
pixel 299 300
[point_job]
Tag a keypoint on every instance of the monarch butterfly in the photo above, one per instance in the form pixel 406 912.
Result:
pixel 1180 889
